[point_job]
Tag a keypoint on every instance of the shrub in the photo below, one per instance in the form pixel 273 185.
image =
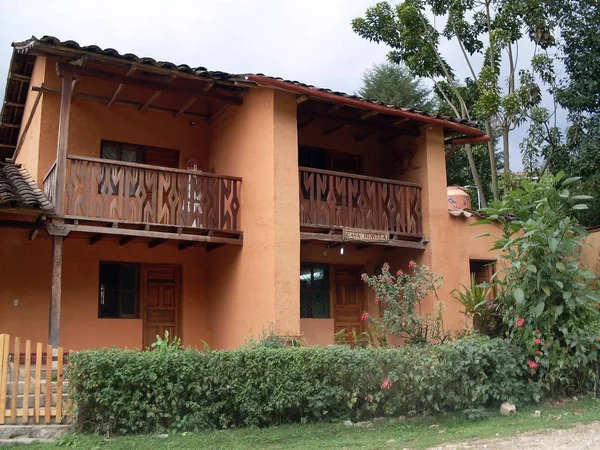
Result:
pixel 123 391
pixel 548 300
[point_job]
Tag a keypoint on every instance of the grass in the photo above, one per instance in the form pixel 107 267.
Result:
pixel 413 434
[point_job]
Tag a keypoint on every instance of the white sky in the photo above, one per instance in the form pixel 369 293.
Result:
pixel 305 40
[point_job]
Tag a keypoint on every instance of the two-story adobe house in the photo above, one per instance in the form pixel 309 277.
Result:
pixel 140 196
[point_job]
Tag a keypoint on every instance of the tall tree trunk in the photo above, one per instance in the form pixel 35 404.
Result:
pixel 475 174
pixel 505 155
pixel 494 167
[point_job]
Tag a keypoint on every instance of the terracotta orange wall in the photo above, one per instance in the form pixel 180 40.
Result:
pixel 90 122
pixel 29 153
pixel 590 254
pixel 26 267
pixel 259 283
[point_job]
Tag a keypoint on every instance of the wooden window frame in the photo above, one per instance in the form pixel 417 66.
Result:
pixel 136 291
pixel 138 148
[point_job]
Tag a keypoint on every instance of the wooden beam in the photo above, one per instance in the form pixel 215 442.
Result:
pixel 151 100
pixel 398 122
pixel 400 133
pixel 7 146
pixel 104 100
pixel 39 223
pixel 368 114
pixel 337 238
pixel 335 107
pixel 185 107
pixel 27 125
pixel 210 248
pixel 366 135
pixel 155 242
pixel 147 84
pixel 305 122
pixel 186 244
pixel 301 99
pixel 95 238
pixel 218 114
pixel 126 240
pixel 10 125
pixel 119 88
pixel 68 73
pixel 19 77
pixel 334 129
pixel 56 290
pixel 16 105
pixel 68 228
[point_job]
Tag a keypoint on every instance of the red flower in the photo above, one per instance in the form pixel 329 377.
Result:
pixel 532 364
pixel 385 266
pixel 364 277
pixel 365 316
pixel 399 272
pixel 376 301
pixel 411 264
pixel 387 384
pixel 520 322
pixel 537 331
pixel 538 341
pixel 369 398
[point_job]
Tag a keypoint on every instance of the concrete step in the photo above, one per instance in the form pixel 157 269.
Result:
pixel 13 432
pixel 32 400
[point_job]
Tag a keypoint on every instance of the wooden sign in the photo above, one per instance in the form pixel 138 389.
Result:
pixel 353 235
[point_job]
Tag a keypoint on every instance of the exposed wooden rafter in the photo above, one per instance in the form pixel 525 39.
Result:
pixel 305 122
pixel 368 114
pixel 156 242
pixel 218 114
pixel 335 107
pixel 95 238
pixel 147 84
pixel 366 135
pixel 125 240
pixel 301 99
pixel 398 122
pixel 185 107
pixel 136 105
pixel 119 88
pixel 151 100
pixel 185 245
pixel 334 129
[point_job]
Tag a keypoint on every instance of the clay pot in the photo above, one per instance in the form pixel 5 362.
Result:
pixel 458 198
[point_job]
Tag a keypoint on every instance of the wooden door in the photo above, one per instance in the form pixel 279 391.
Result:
pixel 348 297
pixel 161 292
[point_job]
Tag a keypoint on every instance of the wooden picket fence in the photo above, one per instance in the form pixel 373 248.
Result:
pixel 32 384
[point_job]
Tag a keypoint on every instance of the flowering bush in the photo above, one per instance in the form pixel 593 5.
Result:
pixel 401 296
pixel 549 302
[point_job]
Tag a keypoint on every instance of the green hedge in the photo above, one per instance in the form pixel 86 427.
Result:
pixel 122 391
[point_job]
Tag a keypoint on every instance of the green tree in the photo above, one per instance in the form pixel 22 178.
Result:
pixel 393 84
pixel 489 29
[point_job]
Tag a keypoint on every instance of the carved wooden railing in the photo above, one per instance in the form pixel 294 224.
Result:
pixel 50 184
pixel 139 193
pixel 337 200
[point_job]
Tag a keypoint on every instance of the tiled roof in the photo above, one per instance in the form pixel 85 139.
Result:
pixel 374 102
pixel 24 55
pixel 17 188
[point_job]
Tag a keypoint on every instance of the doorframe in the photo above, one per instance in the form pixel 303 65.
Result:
pixel 143 294
pixel 332 293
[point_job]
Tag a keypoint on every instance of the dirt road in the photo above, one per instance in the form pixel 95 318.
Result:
pixel 585 436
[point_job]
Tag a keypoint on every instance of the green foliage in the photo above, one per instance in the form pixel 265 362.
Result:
pixel 126 391
pixel 166 344
pixel 393 84
pixel 548 301
pixel 478 305
pixel 271 337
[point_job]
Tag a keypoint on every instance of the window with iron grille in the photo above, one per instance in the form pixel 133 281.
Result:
pixel 119 290
pixel 314 291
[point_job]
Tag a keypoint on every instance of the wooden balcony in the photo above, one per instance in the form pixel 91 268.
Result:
pixel 386 212
pixel 149 200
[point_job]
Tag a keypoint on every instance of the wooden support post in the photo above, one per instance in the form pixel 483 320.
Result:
pixel 68 74
pixel 55 300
